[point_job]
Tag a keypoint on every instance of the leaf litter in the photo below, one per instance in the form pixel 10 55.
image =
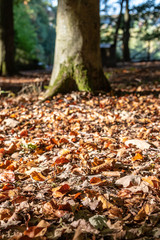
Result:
pixel 80 166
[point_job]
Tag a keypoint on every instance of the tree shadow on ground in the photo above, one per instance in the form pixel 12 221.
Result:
pixel 135 78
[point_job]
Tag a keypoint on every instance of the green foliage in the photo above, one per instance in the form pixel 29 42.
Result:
pixel 34 23
pixel 25 36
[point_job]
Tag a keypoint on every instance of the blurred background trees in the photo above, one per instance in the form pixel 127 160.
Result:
pixel 134 28
pixel 129 31
pixel 34 24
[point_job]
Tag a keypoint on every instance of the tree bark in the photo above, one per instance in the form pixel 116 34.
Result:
pixel 77 62
pixel 126 33
pixel 6 37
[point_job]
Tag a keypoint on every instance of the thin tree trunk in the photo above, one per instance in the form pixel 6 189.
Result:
pixel 6 37
pixel 126 33
pixel 77 62
pixel 118 24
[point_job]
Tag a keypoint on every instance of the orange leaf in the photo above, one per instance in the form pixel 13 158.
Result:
pixel 77 195
pixel 138 156
pixel 24 133
pixel 63 140
pixel 54 141
pixel 97 181
pixel 37 176
pixel 60 161
pixel 48 148
pixel 2 150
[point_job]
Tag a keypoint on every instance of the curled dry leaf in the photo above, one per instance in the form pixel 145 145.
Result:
pixel 12 148
pixel 141 144
pixel 61 191
pixel 60 161
pixel 105 204
pixel 37 231
pixel 37 176
pixel 128 181
pixel 109 164
pixel 153 181
pixel 97 181
pixel 24 133
pixel 111 173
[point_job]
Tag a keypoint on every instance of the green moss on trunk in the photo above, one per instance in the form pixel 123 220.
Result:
pixel 71 77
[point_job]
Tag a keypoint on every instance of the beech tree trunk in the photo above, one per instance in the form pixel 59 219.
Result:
pixel 77 62
pixel 6 37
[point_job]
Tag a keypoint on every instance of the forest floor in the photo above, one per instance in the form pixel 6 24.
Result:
pixel 80 166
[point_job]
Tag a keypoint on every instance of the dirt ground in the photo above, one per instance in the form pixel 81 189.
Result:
pixel 126 77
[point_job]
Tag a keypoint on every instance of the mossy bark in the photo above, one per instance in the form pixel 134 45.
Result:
pixel 6 38
pixel 77 62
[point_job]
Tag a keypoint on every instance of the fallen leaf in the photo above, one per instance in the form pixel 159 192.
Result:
pixel 105 204
pixel 37 176
pixel 37 231
pixel 138 156
pixel 141 144
pixel 7 176
pixel 111 173
pixel 129 181
pixel 12 148
pixel 61 191
pixel 11 123
pixel 98 221
pixel 153 181
pixel 60 161
pixel 109 163
pixel 5 214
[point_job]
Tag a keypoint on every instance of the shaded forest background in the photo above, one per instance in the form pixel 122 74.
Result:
pixel 35 32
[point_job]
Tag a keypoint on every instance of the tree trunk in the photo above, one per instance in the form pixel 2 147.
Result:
pixel 77 62
pixel 126 34
pixel 6 37
pixel 118 24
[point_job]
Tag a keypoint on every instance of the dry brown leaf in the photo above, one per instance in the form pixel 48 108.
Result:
pixel 12 148
pixel 109 164
pixel 98 181
pixel 60 161
pixel 5 214
pixel 61 191
pixel 153 181
pixel 105 204
pixel 111 173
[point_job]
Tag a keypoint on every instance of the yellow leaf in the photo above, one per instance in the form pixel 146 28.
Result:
pixel 37 176
pixel 105 204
